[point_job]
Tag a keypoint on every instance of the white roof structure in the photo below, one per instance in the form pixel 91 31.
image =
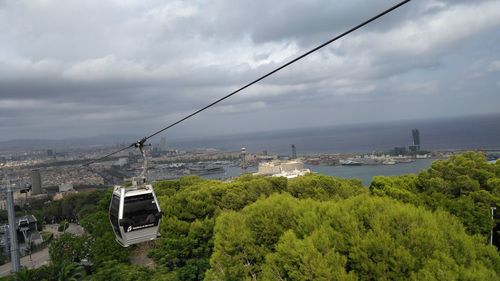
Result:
pixel 287 169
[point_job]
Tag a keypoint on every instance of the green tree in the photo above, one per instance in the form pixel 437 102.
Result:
pixel 65 271
pixel 69 248
pixel 103 246
pixel 25 275
pixel 68 272
pixel 363 237
pixel 402 188
pixel 324 187
pixel 309 259
pixel 116 271
pixel 191 204
pixel 465 185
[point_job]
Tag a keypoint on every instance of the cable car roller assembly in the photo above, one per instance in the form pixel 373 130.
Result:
pixel 134 211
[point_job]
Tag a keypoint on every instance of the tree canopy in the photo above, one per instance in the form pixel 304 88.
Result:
pixel 430 226
pixel 465 185
pixel 360 238
pixel 191 205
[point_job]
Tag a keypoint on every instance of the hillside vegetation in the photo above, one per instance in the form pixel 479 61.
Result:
pixel 431 226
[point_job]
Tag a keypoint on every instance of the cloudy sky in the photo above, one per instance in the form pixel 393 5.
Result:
pixel 84 68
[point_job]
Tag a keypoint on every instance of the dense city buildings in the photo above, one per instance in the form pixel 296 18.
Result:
pixel 65 172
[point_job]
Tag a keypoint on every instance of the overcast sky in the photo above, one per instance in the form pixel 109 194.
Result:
pixel 84 68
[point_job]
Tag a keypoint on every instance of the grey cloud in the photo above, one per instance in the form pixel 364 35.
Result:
pixel 306 21
pixel 137 65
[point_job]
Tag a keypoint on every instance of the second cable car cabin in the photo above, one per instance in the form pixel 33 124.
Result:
pixel 135 214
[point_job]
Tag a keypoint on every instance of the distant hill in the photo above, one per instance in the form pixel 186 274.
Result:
pixel 23 144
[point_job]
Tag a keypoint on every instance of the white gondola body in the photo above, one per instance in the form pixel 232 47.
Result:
pixel 134 214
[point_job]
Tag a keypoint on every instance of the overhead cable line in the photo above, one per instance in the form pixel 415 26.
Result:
pixel 143 140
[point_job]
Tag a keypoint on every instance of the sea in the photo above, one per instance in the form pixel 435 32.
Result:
pixel 458 133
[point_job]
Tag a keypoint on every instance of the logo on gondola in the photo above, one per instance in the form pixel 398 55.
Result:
pixel 131 228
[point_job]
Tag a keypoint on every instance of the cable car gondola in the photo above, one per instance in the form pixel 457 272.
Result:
pixel 134 211
pixel 135 214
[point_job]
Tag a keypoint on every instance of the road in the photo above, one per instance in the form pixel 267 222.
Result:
pixel 41 257
pixel 37 259
pixel 73 228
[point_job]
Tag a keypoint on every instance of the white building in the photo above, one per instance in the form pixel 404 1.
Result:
pixel 287 169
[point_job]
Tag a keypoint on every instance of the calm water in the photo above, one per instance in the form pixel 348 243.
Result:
pixel 364 173
pixel 451 133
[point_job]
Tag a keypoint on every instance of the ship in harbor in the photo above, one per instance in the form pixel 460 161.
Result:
pixel 205 169
pixel 350 162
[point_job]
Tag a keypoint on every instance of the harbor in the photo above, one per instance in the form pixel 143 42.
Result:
pixel 364 173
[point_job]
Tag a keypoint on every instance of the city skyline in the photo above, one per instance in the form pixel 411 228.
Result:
pixel 82 69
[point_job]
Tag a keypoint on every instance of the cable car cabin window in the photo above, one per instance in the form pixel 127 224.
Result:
pixel 141 212
pixel 113 214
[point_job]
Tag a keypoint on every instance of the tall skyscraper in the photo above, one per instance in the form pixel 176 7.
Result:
pixel 294 151
pixel 36 182
pixel 416 141
pixel 163 144
pixel 416 137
